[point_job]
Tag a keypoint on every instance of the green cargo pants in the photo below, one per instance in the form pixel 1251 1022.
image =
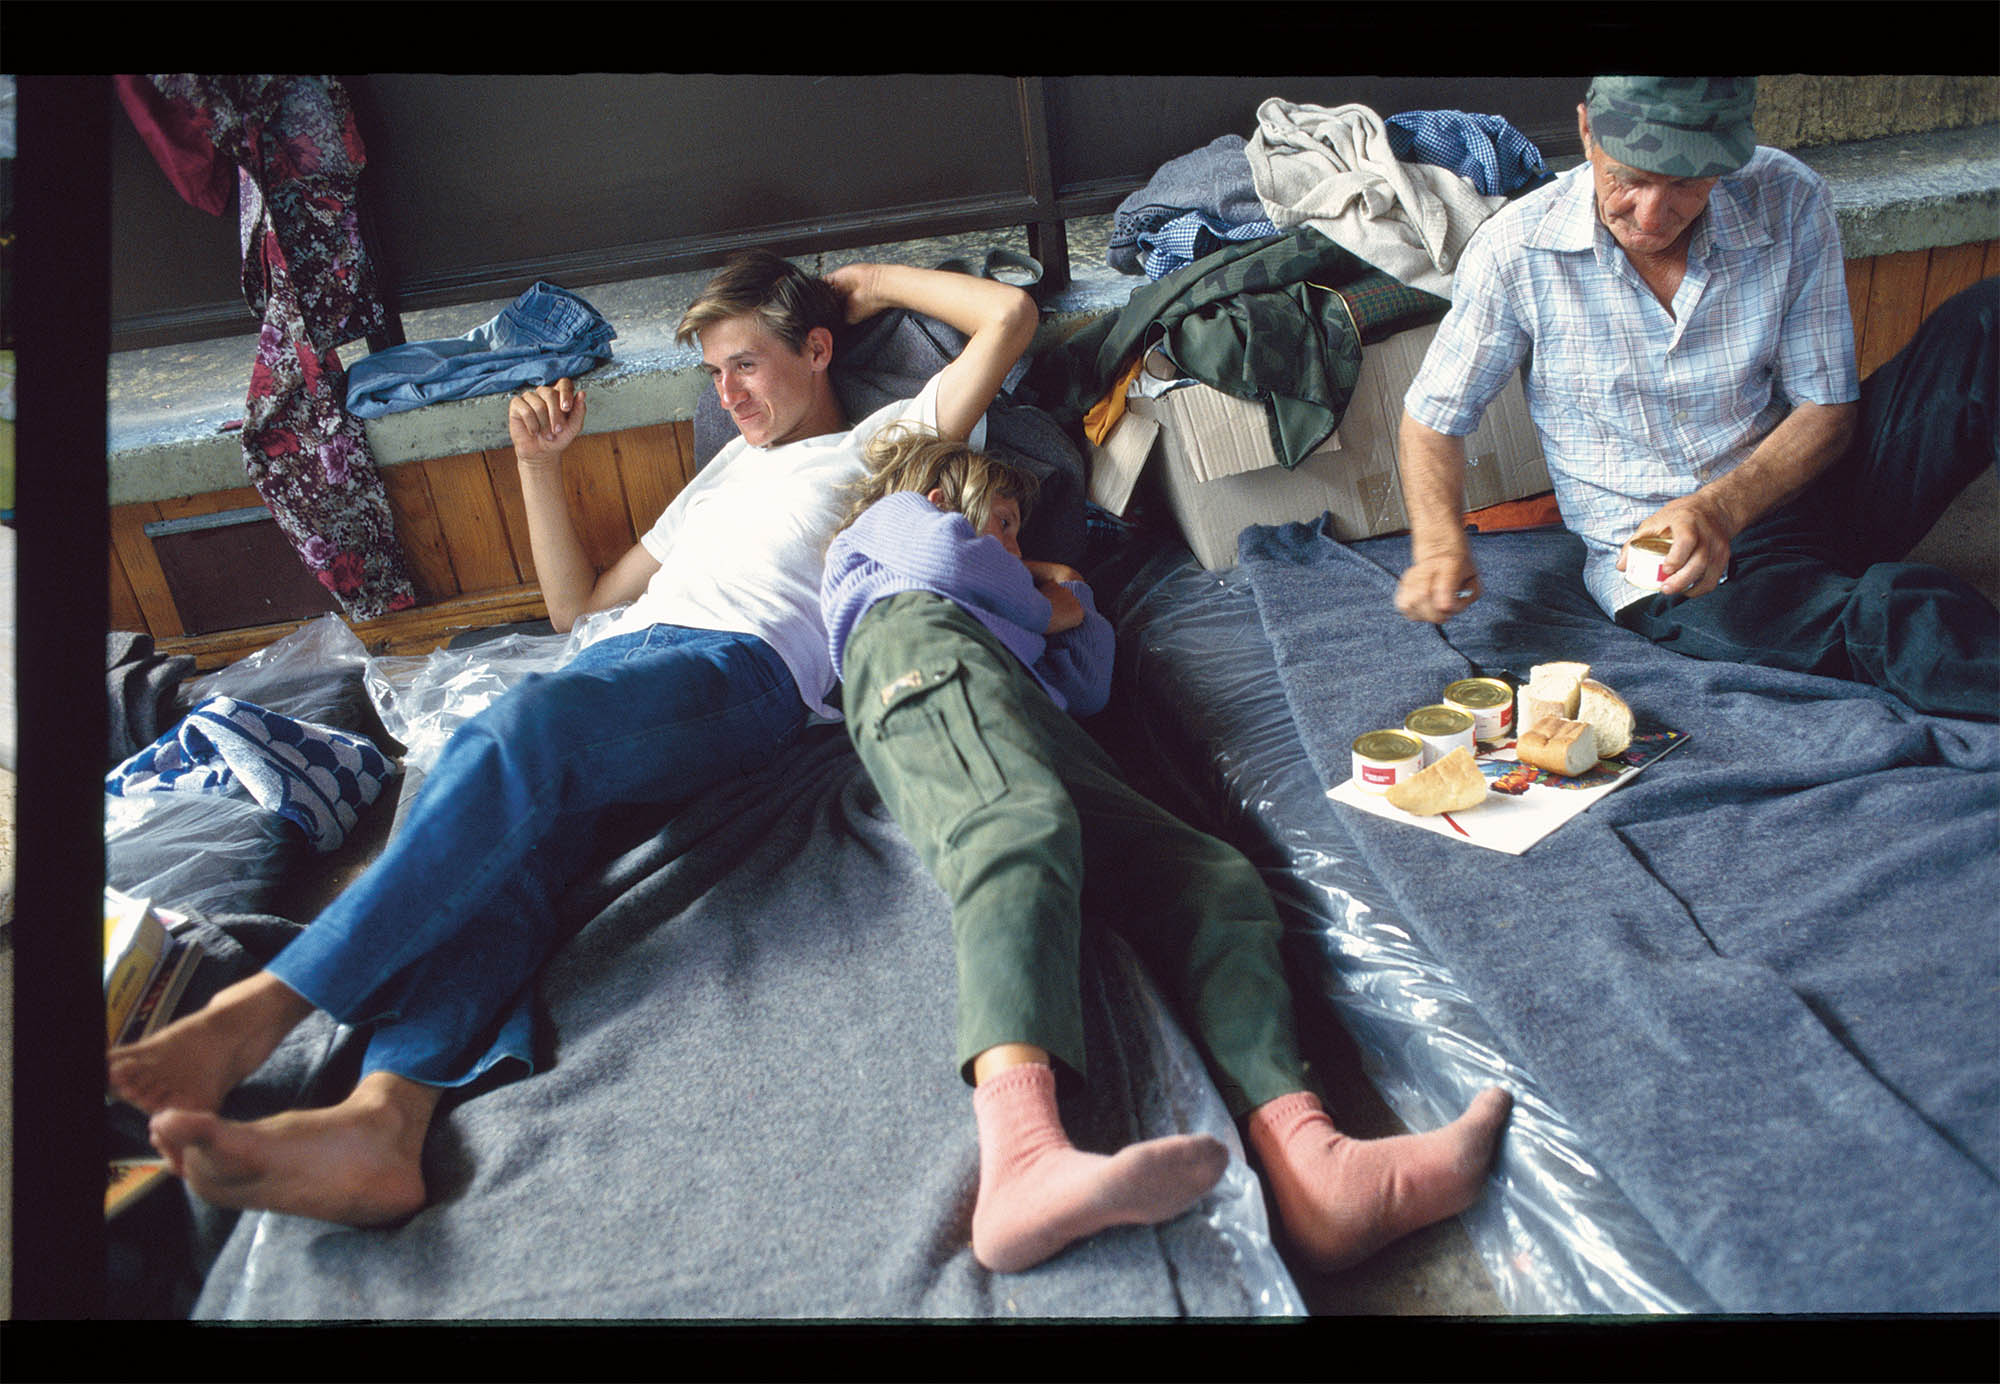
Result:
pixel 1026 824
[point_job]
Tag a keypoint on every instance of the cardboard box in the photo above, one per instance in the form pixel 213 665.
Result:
pixel 1220 474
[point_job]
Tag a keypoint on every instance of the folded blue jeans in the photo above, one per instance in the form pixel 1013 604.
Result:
pixel 542 336
pixel 435 948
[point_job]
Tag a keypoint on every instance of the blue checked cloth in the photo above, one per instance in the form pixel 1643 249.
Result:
pixel 313 775
pixel 1187 238
pixel 540 337
pixel 1485 150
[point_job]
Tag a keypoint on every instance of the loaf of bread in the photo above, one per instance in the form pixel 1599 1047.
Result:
pixel 1553 689
pixel 1453 784
pixel 1607 714
pixel 1558 745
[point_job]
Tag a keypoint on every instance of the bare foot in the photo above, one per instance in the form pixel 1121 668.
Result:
pixel 194 1062
pixel 1341 1199
pixel 357 1163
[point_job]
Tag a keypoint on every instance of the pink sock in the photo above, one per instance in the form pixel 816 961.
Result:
pixel 1341 1199
pixel 1039 1193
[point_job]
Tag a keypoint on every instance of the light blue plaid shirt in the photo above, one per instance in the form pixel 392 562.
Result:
pixel 1636 406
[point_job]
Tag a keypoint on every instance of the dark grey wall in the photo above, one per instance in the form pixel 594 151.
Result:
pixel 478 185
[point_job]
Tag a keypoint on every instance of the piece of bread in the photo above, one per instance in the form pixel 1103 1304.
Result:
pixel 1552 690
pixel 1608 715
pixel 1453 784
pixel 1558 745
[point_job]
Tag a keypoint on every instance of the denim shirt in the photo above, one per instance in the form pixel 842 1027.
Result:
pixel 542 336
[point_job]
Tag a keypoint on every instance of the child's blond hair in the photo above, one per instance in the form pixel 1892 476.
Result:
pixel 906 457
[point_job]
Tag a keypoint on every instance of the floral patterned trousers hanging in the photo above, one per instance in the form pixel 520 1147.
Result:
pixel 305 269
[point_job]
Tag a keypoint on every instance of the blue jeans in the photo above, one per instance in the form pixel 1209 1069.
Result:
pixel 1819 585
pixel 436 946
pixel 543 335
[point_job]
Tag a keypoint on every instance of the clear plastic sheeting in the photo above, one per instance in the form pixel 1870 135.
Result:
pixel 312 674
pixel 422 699
pixel 223 852
pixel 1183 1100
pixel 1560 1237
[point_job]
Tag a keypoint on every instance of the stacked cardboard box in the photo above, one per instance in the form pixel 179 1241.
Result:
pixel 1220 474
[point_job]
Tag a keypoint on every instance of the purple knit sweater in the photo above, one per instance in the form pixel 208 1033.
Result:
pixel 905 543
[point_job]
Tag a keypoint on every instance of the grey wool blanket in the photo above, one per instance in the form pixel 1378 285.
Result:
pixel 1760 978
pixel 752 1110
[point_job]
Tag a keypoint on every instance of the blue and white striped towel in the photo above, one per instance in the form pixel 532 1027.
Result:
pixel 313 775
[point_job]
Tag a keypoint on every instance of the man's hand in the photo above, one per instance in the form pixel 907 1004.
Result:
pixel 1066 610
pixel 1439 583
pixel 1701 528
pixel 544 420
pixel 856 283
pixel 1046 572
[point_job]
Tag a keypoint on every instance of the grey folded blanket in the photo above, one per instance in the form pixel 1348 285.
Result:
pixel 1759 978
pixel 753 1111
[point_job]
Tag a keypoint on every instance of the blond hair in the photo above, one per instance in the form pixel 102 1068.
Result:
pixel 907 457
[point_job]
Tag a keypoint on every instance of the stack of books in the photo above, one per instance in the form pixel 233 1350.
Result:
pixel 146 967
pixel 146 971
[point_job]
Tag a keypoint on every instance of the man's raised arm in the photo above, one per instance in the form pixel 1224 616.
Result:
pixel 998 319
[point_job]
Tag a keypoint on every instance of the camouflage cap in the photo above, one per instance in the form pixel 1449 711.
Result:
pixel 1681 127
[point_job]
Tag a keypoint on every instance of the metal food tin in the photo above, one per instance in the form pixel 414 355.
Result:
pixel 1442 729
pixel 1384 758
pixel 1646 561
pixel 1490 704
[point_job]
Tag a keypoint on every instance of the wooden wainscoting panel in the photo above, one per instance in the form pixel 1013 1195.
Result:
pixel 1860 276
pixel 1952 268
pixel 143 573
pixel 212 502
pixel 1895 306
pixel 124 611
pixel 653 467
pixel 597 500
pixel 419 532
pixel 505 479
pixel 475 532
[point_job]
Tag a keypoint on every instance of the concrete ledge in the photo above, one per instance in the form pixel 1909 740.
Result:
pixel 168 405
pixel 1913 192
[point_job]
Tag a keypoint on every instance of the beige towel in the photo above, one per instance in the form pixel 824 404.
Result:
pixel 1333 170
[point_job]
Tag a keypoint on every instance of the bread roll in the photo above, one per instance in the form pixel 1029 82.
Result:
pixel 1453 784
pixel 1553 690
pixel 1559 746
pixel 1606 713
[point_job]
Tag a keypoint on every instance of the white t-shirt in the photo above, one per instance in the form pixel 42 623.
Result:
pixel 742 546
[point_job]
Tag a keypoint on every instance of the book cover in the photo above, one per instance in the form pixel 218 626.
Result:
pixel 156 1008
pixel 128 1179
pixel 135 944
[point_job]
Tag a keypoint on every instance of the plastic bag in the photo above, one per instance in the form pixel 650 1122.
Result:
pixel 422 698
pixel 315 674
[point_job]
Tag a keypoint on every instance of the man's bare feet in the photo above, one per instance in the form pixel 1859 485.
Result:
pixel 192 1063
pixel 357 1163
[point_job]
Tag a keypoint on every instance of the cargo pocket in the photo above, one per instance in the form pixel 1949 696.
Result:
pixel 923 725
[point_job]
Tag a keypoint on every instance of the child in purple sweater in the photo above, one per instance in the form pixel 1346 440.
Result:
pixel 964 666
